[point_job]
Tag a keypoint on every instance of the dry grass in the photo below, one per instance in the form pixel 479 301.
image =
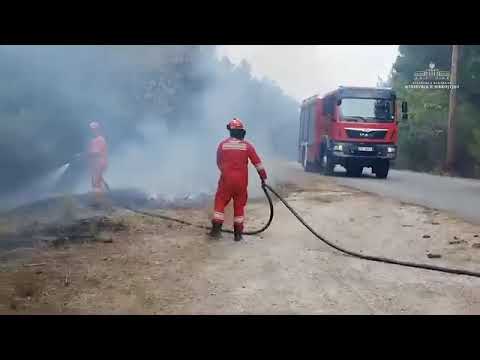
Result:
pixel 20 288
pixel 68 208
pixel 26 284
pixel 7 227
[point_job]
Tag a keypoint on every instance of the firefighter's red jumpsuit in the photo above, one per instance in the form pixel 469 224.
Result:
pixel 232 160
pixel 98 162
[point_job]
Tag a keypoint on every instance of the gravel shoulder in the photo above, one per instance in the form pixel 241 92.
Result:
pixel 458 196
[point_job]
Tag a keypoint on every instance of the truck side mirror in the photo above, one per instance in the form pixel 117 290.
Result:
pixel 339 102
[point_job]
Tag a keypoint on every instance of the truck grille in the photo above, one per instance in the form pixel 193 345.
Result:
pixel 366 134
pixel 365 153
pixel 354 149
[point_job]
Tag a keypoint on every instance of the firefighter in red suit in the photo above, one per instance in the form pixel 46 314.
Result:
pixel 232 160
pixel 98 161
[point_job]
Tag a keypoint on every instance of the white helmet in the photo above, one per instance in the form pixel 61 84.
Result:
pixel 94 125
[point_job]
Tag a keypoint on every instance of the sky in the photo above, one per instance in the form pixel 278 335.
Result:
pixel 305 70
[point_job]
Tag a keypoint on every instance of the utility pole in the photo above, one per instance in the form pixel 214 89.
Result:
pixel 450 163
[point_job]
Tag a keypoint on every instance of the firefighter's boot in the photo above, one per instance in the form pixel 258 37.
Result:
pixel 216 230
pixel 237 235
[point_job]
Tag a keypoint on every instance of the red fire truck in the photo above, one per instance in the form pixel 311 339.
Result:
pixel 354 127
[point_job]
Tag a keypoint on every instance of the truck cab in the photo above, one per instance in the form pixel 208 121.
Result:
pixel 354 127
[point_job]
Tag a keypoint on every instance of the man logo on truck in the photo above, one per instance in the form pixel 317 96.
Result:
pixel 354 127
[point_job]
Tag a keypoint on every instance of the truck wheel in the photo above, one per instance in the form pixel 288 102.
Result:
pixel 381 170
pixel 309 167
pixel 327 166
pixel 354 170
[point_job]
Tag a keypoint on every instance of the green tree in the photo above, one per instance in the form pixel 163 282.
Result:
pixel 423 138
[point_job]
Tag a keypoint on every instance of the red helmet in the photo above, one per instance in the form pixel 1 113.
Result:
pixel 235 124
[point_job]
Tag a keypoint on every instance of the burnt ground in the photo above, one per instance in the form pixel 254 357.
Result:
pixel 131 264
pixel 71 218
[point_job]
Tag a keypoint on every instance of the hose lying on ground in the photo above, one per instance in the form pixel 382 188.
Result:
pixel 255 232
pixel 373 258
pixel 320 237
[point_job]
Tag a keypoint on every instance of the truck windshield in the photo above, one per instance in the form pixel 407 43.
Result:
pixel 367 110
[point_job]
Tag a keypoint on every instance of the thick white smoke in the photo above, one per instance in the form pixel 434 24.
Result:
pixel 172 163
pixel 166 146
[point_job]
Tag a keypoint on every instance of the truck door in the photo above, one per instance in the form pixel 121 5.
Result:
pixel 305 138
pixel 328 110
pixel 321 122
pixel 301 137
pixel 306 125
pixel 310 135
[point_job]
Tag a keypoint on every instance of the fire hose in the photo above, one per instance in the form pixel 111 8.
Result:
pixel 164 217
pixel 266 187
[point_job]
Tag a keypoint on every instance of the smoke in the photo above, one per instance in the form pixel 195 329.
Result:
pixel 48 96
pixel 166 163
pixel 183 160
pixel 40 188
pixel 163 110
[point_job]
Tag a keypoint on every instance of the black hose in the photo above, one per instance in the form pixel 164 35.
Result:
pixel 164 217
pixel 320 237
pixel 369 257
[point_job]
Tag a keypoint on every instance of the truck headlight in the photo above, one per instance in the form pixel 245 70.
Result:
pixel 338 147
pixel 391 149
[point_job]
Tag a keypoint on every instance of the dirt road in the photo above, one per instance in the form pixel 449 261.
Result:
pixel 160 268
